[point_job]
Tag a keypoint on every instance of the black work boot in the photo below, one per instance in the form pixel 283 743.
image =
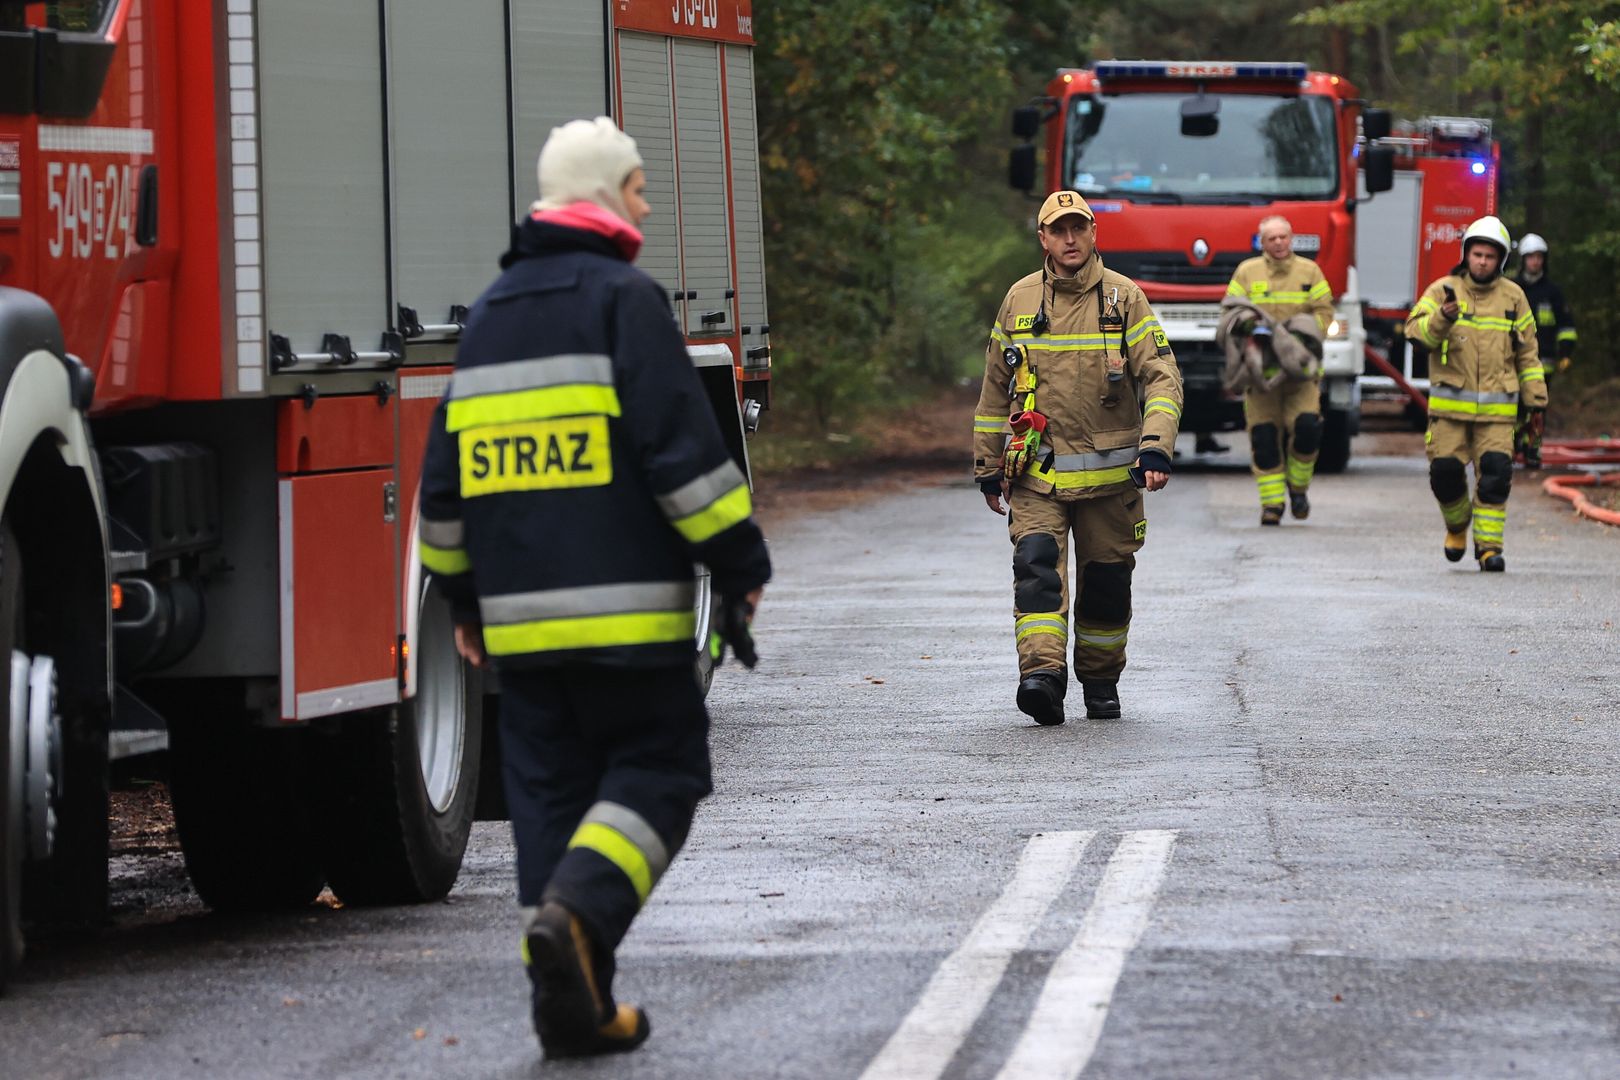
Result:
pixel 1102 698
pixel 1205 443
pixel 574 1014
pixel 1298 504
pixel 1532 457
pixel 1271 514
pixel 1491 560
pixel 1040 696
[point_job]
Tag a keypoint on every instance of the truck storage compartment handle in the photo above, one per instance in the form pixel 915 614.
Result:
pixel 146 211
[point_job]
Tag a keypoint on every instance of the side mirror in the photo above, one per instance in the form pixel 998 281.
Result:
pixel 1026 122
pixel 1375 123
pixel 1200 116
pixel 1378 167
pixel 1021 167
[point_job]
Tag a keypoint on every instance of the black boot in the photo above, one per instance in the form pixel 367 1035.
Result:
pixel 1205 443
pixel 1040 696
pixel 573 1009
pixel 1102 698
pixel 1299 504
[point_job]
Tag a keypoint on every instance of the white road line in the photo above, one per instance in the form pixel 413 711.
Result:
pixel 930 1035
pixel 1068 1019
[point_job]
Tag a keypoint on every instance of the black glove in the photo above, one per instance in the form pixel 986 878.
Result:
pixel 1150 460
pixel 731 628
pixel 991 485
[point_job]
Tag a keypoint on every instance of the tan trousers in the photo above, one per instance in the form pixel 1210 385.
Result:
pixel 1455 444
pixel 1292 410
pixel 1107 530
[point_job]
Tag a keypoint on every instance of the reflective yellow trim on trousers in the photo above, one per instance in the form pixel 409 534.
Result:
pixel 1566 335
pixel 578 399
pixel 1472 408
pixel 1042 623
pixel 443 560
pixel 1457 513
pixel 1300 472
pixel 590 632
pixel 1273 488
pixel 1083 478
pixel 617 849
pixel 720 515
pixel 1110 638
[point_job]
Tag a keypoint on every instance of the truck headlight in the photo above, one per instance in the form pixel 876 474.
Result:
pixel 1338 330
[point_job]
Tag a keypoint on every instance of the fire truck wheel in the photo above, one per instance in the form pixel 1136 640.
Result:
pixel 705 624
pixel 1335 454
pixel 11 786
pixel 244 809
pixel 400 784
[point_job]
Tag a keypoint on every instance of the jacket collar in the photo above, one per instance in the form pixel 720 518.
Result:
pixel 580 226
pixel 1088 277
pixel 1278 264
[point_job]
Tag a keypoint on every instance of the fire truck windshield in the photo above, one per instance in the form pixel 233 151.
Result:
pixel 1265 147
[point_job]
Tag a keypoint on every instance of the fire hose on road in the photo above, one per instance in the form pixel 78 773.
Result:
pixel 1583 453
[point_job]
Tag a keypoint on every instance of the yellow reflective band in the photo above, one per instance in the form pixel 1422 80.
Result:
pixel 523 950
pixel 535 455
pixel 1277 298
pixel 1141 329
pixel 1042 624
pixel 1234 289
pixel 590 632
pixel 1425 304
pixel 999 427
pixel 1566 335
pixel 1080 478
pixel 1472 408
pixel 1486 322
pixel 1110 638
pixel 1457 512
pixel 720 515
pixel 1320 289
pixel 542 403
pixel 1421 325
pixel 445 561
pixel 617 849
pixel 1529 373
pixel 998 334
pixel 1163 404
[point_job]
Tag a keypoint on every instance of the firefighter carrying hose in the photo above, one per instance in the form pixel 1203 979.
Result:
pixel 1277 308
pixel 1483 362
pixel 1079 411
pixel 1555 334
pixel 574 474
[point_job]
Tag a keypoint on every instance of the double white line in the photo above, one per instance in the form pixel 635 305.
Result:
pixel 1068 1018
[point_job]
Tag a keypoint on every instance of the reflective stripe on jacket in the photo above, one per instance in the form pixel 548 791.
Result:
pixel 1098 322
pixel 1483 363
pixel 575 471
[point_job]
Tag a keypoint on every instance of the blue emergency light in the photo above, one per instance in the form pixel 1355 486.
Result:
pixel 1198 69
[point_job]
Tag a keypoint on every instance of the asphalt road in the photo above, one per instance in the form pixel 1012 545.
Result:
pixel 1359 820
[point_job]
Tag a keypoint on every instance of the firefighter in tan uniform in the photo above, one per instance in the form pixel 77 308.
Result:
pixel 1481 337
pixel 1284 420
pixel 1079 411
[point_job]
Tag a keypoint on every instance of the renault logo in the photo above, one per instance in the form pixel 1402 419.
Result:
pixel 1200 250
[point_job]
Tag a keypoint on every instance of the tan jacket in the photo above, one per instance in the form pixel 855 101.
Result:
pixel 1283 288
pixel 1481 363
pixel 1096 426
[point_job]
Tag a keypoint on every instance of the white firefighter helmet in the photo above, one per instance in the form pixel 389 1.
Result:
pixel 1532 245
pixel 1488 228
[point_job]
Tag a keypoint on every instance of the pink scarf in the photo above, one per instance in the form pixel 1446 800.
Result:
pixel 591 218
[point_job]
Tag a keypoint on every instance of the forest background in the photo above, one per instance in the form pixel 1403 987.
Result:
pixel 891 233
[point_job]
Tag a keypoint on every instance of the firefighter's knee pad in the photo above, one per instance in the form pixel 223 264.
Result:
pixel 1495 477
pixel 1447 479
pixel 1105 594
pixel 1267 450
pixel 1037 578
pixel 1307 433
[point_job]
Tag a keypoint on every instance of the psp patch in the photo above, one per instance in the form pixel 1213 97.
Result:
pixel 1159 339
pixel 1141 529
pixel 535 455
pixel 1023 322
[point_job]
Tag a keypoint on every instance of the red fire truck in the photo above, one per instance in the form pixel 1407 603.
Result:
pixel 1180 161
pixel 238 239
pixel 1446 170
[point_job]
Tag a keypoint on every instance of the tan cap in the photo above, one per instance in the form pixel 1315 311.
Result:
pixel 1061 204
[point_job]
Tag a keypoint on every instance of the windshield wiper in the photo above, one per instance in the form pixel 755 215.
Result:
pixel 1169 198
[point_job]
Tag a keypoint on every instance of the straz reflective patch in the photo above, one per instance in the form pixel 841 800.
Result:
pixel 1141 529
pixel 1023 322
pixel 1258 288
pixel 534 455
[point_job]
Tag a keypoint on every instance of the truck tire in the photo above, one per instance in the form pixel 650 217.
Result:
pixel 1335 454
pixel 11 748
pixel 244 809
pixel 400 785
pixel 705 625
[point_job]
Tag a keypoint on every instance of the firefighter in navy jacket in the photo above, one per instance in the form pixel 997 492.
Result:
pixel 574 474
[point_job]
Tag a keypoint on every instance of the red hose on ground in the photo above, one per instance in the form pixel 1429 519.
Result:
pixel 1394 373
pixel 1582 452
